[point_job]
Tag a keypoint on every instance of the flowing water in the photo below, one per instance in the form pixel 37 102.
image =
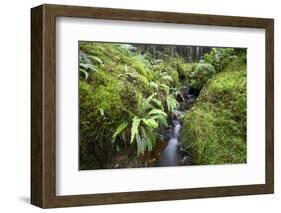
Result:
pixel 173 155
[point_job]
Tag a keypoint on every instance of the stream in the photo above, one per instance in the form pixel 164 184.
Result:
pixel 173 154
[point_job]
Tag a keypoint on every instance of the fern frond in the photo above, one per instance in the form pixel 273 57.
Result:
pixel 120 129
pixel 150 123
pixel 134 129
pixel 172 103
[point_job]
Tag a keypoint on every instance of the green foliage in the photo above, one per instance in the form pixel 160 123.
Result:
pixel 182 68
pixel 172 103
pixel 217 60
pixel 95 60
pixel 101 109
pixel 135 128
pixel 237 64
pixel 174 76
pixel 126 94
pixel 88 64
pixel 153 85
pixel 212 136
pixel 150 122
pixel 166 78
pixel 86 104
pixel 201 74
pixel 220 57
pixel 119 129
pixel 214 130
pixel 185 70
pixel 85 69
pixel 144 125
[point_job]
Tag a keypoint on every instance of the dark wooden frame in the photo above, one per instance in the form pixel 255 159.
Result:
pixel 43 105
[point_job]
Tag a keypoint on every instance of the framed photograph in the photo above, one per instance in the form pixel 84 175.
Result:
pixel 136 106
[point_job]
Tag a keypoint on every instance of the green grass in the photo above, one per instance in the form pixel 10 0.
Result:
pixel 214 130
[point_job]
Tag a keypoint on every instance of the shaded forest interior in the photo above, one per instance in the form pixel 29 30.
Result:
pixel 136 100
pixel 188 53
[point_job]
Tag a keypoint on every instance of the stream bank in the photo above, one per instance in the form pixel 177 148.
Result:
pixel 168 150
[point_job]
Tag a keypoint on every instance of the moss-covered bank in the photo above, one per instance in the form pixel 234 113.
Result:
pixel 214 130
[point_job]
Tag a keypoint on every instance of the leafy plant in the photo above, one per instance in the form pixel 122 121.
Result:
pixel 120 129
pixel 96 60
pixel 85 69
pixel 172 103
pixel 201 74
pixel 88 64
pixel 166 78
pixel 144 124
pixel 220 57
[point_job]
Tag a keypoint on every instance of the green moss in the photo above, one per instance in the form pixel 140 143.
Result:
pixel 228 89
pixel 214 130
pixel 113 94
pixel 185 70
pixel 213 136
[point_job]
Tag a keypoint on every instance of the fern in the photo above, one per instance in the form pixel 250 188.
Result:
pixel 134 129
pixel 96 60
pixel 157 112
pixel 144 125
pixel 146 103
pixel 162 120
pixel 172 103
pixel 84 72
pixel 150 122
pixel 120 129
pixel 165 89
pixel 148 138
pixel 167 78
pixel 157 103
pixel 86 68
pixel 153 85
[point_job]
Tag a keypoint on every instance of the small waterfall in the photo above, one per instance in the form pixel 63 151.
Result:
pixel 177 127
pixel 169 156
pixel 172 154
